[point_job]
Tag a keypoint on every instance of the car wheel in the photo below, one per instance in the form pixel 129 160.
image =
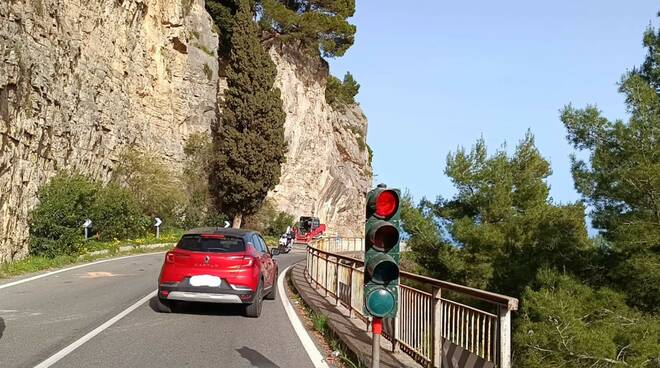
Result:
pixel 254 310
pixel 165 306
pixel 273 291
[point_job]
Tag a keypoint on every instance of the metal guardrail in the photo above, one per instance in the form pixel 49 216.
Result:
pixel 429 325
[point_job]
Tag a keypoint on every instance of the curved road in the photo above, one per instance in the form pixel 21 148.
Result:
pixel 41 317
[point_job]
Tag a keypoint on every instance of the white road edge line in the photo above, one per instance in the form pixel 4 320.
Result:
pixel 313 352
pixel 76 344
pixel 22 281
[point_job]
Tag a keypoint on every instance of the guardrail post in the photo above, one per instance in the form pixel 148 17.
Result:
pixel 325 280
pixel 350 290
pixel 504 336
pixel 436 352
pixel 396 330
pixel 337 293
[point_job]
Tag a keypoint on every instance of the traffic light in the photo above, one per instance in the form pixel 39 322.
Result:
pixel 381 257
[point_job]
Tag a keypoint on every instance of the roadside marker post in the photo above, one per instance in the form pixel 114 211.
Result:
pixel 158 222
pixel 87 225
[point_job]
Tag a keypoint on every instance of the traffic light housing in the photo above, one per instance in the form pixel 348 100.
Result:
pixel 381 252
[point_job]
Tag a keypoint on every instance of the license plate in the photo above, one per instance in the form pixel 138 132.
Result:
pixel 205 280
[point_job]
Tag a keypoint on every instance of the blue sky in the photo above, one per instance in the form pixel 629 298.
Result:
pixel 440 74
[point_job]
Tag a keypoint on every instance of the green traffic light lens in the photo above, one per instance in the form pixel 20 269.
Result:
pixel 380 302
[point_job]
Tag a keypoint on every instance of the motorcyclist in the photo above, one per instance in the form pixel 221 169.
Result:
pixel 289 237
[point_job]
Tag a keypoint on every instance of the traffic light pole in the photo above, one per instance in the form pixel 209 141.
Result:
pixel 377 329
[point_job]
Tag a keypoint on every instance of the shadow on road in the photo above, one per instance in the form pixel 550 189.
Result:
pixel 2 326
pixel 206 309
pixel 256 358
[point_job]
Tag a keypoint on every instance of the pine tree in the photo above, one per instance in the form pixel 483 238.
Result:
pixel 249 144
pixel 621 178
pixel 319 24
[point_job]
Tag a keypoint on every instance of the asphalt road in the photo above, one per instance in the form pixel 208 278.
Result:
pixel 41 317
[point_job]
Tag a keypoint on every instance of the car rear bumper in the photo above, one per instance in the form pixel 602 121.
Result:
pixel 187 296
pixel 224 294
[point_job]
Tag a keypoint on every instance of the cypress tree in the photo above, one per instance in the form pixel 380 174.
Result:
pixel 248 144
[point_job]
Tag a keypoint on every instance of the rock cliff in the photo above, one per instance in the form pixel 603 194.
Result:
pixel 80 81
pixel 327 170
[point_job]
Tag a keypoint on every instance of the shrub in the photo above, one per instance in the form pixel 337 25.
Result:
pixel 268 221
pixel 64 204
pixel 261 220
pixel 117 215
pixel 156 189
pixel 198 210
pixel 339 94
pixel 565 323
pixel 67 201
pixel 279 224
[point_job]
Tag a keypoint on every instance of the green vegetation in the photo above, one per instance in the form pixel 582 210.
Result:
pixel 248 145
pixel 118 217
pixel 371 154
pixel 204 48
pixel 268 221
pixel 155 187
pixel 621 179
pixel 64 204
pixel 340 94
pixel 584 302
pixel 565 323
pixel 208 72
pixel 67 201
pixel 318 24
pixel 199 210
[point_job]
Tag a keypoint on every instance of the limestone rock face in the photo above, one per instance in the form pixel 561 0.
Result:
pixel 327 170
pixel 81 80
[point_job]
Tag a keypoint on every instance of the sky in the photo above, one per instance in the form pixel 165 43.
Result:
pixel 441 74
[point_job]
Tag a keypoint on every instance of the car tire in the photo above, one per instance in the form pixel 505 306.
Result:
pixel 164 306
pixel 254 310
pixel 273 291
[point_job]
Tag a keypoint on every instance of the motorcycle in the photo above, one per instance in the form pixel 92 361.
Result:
pixel 285 244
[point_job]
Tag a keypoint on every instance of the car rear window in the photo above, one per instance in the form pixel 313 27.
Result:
pixel 199 243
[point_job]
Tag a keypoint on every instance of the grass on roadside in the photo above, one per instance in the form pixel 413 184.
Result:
pixel 38 263
pixel 167 236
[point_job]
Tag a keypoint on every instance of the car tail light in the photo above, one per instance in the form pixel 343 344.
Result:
pixel 164 293
pixel 248 261
pixel 169 257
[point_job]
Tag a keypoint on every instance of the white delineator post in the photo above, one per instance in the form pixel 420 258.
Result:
pixel 157 225
pixel 87 225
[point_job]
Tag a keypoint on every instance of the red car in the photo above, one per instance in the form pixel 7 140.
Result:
pixel 218 265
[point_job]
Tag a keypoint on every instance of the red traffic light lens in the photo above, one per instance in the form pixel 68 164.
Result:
pixel 383 236
pixel 387 203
